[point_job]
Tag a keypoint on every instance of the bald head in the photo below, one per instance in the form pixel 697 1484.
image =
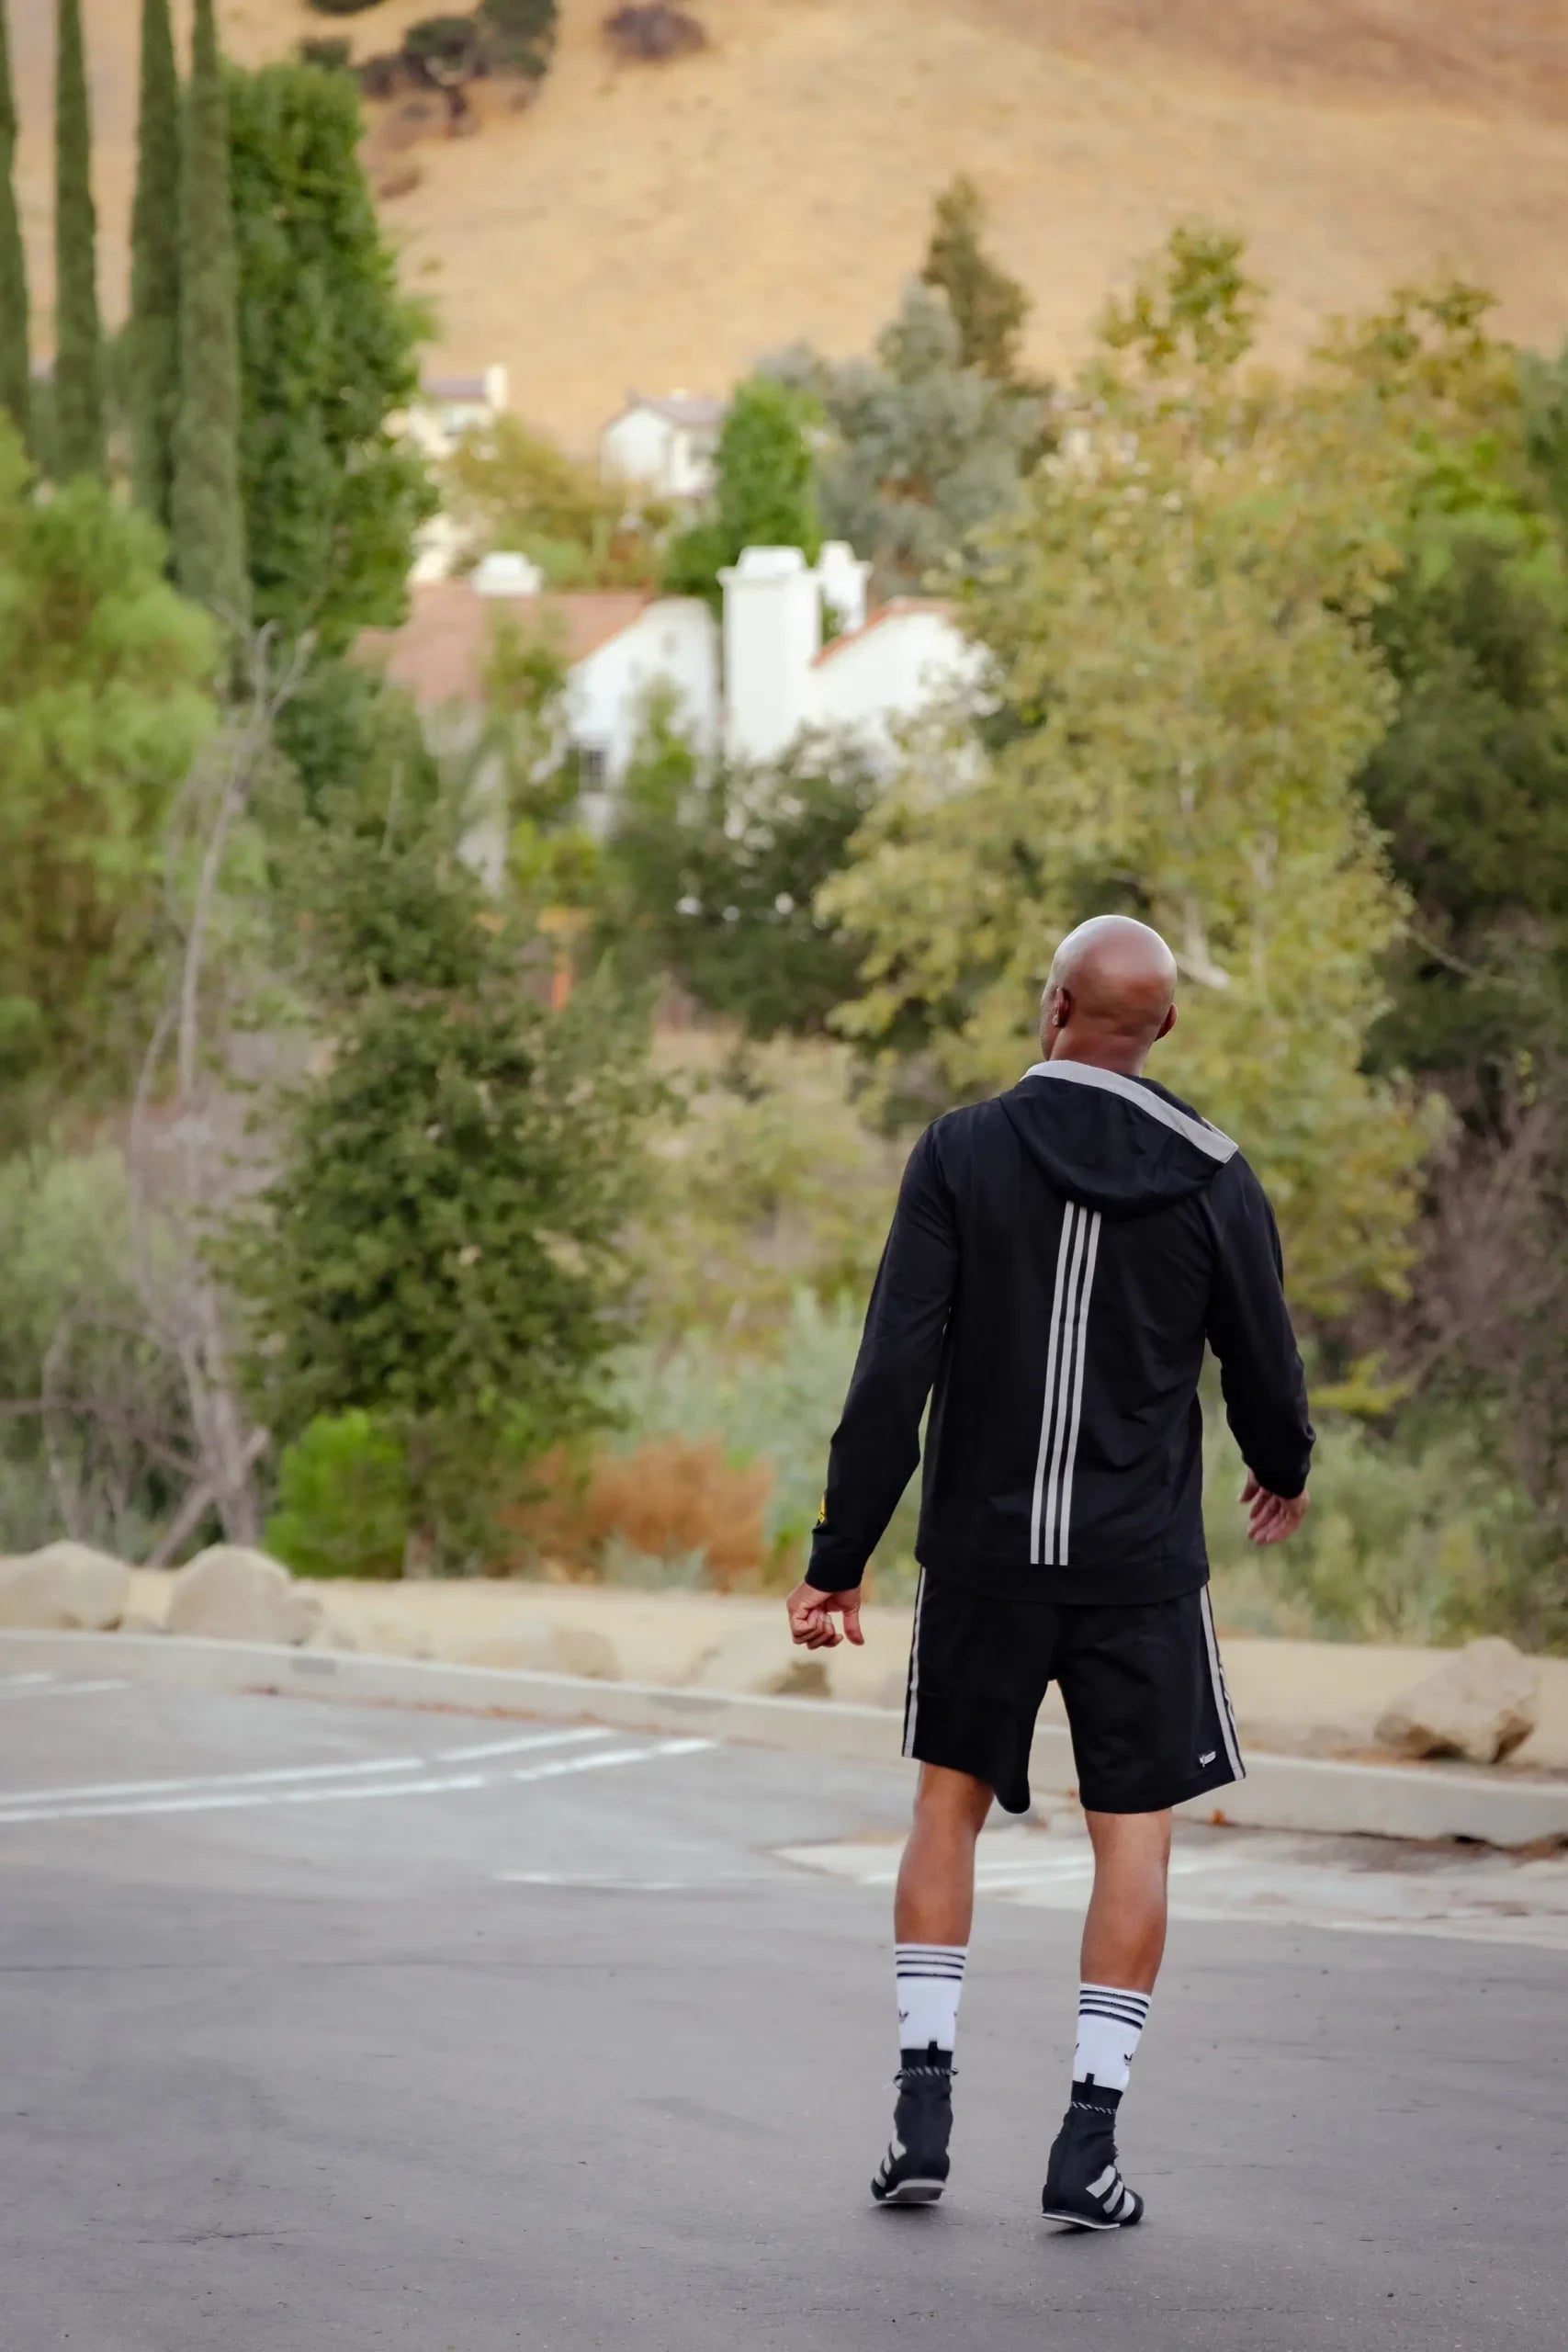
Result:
pixel 1110 994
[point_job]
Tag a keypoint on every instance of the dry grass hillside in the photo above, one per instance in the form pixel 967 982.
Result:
pixel 663 225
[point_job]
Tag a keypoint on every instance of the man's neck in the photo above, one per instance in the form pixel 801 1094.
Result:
pixel 1101 1053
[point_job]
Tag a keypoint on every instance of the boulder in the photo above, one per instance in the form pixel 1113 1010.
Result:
pixel 1481 1703
pixel 230 1594
pixel 66 1588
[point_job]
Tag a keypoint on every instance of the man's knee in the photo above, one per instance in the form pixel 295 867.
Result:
pixel 950 1802
pixel 1131 1843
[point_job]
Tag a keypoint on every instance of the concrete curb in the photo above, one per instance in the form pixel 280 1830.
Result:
pixel 1297 1792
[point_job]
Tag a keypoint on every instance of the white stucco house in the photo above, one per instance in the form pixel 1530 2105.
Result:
pixel 451 407
pixel 749 688
pixel 663 443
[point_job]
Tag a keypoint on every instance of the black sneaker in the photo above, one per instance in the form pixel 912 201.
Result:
pixel 914 2171
pixel 1084 2186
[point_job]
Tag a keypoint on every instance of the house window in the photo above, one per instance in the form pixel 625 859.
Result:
pixel 593 767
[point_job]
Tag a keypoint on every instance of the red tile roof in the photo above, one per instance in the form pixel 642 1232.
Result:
pixel 440 652
pixel 888 612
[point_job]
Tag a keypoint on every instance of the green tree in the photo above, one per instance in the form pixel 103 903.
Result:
pixel 205 504
pixel 920 451
pixel 1182 694
pixel 153 346
pixel 715 872
pixel 16 382
pixel 102 705
pixel 764 491
pixel 988 307
pixel 78 339
pixel 328 351
pixel 442 1247
pixel 516 489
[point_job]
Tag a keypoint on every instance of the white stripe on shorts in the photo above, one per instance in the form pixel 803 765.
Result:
pixel 911 1704
pixel 1222 1696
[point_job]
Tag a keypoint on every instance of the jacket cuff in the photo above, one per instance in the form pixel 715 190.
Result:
pixel 830 1574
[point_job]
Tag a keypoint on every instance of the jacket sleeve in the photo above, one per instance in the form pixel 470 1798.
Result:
pixel 1250 1330
pixel 877 1442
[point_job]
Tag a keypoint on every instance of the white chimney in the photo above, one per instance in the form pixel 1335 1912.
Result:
pixel 506 574
pixel 773 633
pixel 842 577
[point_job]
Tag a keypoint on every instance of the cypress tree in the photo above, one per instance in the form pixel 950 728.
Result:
pixel 153 353
pixel 209 523
pixel 78 341
pixel 15 389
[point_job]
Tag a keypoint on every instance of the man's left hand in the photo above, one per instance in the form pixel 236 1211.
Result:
pixel 811 1615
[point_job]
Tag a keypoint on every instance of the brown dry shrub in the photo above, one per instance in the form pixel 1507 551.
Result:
pixel 653 31
pixel 670 1498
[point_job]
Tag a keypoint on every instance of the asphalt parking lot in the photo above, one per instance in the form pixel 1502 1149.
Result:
pixel 337 2026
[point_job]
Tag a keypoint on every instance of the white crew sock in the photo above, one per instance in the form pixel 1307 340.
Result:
pixel 930 1979
pixel 1111 2020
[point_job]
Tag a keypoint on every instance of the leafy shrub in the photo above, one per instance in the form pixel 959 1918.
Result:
pixel 333 56
pixel 450 43
pixel 653 32
pixel 519 35
pixel 680 1501
pixel 343 1500
pixel 342 8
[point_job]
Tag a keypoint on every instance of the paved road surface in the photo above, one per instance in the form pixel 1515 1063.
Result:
pixel 334 2028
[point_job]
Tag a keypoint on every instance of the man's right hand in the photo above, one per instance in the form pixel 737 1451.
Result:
pixel 1271 1518
pixel 811 1617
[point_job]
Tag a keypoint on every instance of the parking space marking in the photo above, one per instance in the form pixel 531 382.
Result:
pixel 19 1682
pixel 282 1775
pixel 44 1686
pixel 616 1756
pixel 239 1793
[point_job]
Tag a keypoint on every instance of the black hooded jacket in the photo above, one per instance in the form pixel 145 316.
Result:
pixel 1057 1259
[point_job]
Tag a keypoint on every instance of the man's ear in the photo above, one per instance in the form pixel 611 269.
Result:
pixel 1167 1026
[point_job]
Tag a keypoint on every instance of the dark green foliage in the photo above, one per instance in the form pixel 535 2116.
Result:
pixel 335 56
pixel 329 351
pixel 355 744
pixel 765 487
pixel 519 35
pixel 207 517
pixel 16 387
pixel 451 44
pixel 988 307
pixel 343 7
pixel 442 1246
pixel 716 874
pixel 102 706
pixel 921 452
pixel 78 341
pixel 152 337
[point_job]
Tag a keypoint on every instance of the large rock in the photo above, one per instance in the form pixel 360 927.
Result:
pixel 230 1594
pixel 1482 1703
pixel 65 1588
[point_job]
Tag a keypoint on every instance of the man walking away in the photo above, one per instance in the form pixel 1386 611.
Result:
pixel 1057 1259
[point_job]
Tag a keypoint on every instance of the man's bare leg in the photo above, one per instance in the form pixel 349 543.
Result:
pixel 931 1913
pixel 935 1901
pixel 1124 1935
pixel 1124 1943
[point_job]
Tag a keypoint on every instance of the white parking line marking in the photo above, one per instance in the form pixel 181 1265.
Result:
pixel 615 1755
pixel 236 1799
pixel 43 1686
pixel 515 1746
pixel 283 1774
pixel 18 1681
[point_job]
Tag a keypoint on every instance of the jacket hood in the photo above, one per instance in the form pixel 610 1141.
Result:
pixel 1121 1145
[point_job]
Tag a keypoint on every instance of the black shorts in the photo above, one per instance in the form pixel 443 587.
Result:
pixel 1142 1686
